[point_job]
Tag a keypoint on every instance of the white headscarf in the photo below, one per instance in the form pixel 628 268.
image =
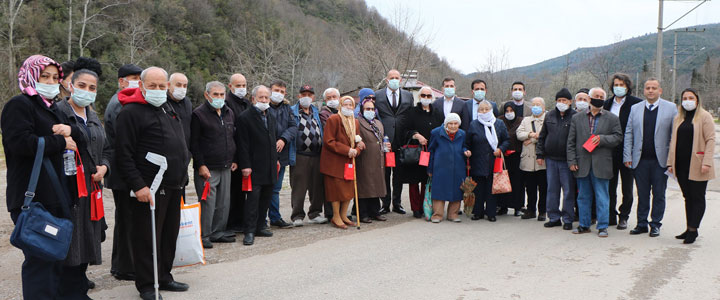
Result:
pixel 489 125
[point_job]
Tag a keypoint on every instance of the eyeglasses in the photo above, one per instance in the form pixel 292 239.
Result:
pixel 425 95
pixel 370 97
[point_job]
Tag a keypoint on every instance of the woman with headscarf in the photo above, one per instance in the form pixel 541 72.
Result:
pixel 340 145
pixel 26 118
pixel 371 187
pixel 447 168
pixel 516 198
pixel 487 138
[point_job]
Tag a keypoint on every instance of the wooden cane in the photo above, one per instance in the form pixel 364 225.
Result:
pixel 357 204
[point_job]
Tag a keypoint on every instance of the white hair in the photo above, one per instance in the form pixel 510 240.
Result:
pixel 597 89
pixel 213 84
pixel 538 98
pixel 426 87
pixel 144 72
pixel 331 90
pixel 256 88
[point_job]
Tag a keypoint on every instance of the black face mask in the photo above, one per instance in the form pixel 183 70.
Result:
pixel 597 102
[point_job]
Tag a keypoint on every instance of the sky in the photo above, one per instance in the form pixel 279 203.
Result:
pixel 466 32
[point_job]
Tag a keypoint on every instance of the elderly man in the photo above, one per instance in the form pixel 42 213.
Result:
pixel 332 102
pixel 521 108
pixel 647 139
pixel 180 103
pixel 122 258
pixel 534 173
pixel 286 129
pixel 601 129
pixel 257 160
pixel 393 105
pixel 213 150
pixel 149 126
pixel 582 99
pixel 551 151
pixel 236 99
pixel 448 103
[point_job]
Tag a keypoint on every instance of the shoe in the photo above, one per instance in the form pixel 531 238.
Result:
pixel 567 226
pixel 682 236
pixel 492 219
pixel 384 210
pixel 517 213
pixel 264 233
pixel 224 239
pixel 365 220
pixel 456 220
pixel 341 225
pixel 281 224
pixel 229 233
pixel 477 217
pixel 174 286
pixel 690 237
pixel 551 224
pixel 417 214
pixel 654 232
pixel 298 223
pixel 579 229
pixel 123 276
pixel 207 244
pixel 249 239
pixel 541 217
pixel 398 209
pixel 318 220
pixel 349 222
pixel 603 233
pixel 638 230
pixel 435 220
pixel 380 218
pixel 150 295
pixel 528 215
pixel 622 225
pixel 502 211
pixel 90 284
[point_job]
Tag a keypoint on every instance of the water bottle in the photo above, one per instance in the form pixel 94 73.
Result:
pixel 384 147
pixel 69 162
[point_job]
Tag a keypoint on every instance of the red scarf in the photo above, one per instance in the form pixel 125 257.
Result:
pixel 451 135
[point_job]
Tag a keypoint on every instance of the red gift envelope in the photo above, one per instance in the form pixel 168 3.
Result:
pixel 390 159
pixel 424 158
pixel 509 152
pixel 80 177
pixel 498 165
pixel 247 184
pixel 278 171
pixel 349 174
pixel 97 211
pixel 589 146
pixel 206 189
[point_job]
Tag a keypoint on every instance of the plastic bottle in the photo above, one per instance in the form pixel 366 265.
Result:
pixel 69 162
pixel 385 140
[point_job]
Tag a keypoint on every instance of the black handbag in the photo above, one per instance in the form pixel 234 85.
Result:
pixel 37 232
pixel 409 155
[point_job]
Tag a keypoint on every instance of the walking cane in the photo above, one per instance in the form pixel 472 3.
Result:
pixel 357 206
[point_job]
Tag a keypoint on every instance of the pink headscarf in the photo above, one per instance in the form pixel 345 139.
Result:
pixel 30 72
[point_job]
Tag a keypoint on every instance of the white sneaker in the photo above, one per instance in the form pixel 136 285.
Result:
pixel 298 223
pixel 318 220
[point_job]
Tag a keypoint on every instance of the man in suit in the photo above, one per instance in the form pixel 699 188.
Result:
pixel 470 108
pixel 620 105
pixel 521 108
pixel 257 159
pixel 647 139
pixel 393 105
pixel 448 103
pixel 236 100
pixel 591 169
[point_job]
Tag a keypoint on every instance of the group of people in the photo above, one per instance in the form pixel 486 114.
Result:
pixel 241 144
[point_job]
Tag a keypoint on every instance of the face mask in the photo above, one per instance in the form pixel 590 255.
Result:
pixel 347 112
pixel 394 84
pixel 83 98
pixel 580 105
pixel 217 103
pixel 598 103
pixel 133 84
pixel 619 91
pixel 479 95
pixel 305 102
pixel 48 91
pixel 156 97
pixel 425 102
pixel 276 97
pixel 562 107
pixel 486 117
pixel 510 116
pixel 689 105
pixel 369 114
pixel 517 95
pixel 537 110
pixel 333 103
pixel 262 106
pixel 240 92
pixel 179 93
pixel 449 92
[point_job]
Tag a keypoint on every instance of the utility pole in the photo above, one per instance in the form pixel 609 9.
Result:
pixel 675 54
pixel 658 54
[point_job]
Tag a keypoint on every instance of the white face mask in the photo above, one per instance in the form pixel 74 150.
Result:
pixel 517 95
pixel 333 103
pixel 133 84
pixel 179 93
pixel 276 97
pixel 689 105
pixel 425 102
pixel 580 105
pixel 240 92
pixel 262 106
pixel 347 112
pixel 305 102
pixel 48 91
pixel 156 97
pixel 510 116
pixel 486 117
pixel 562 107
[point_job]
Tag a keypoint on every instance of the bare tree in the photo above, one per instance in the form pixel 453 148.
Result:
pixel 137 34
pixel 13 10
pixel 69 38
pixel 98 13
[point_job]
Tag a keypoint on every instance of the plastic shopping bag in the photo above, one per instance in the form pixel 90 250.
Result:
pixel 189 250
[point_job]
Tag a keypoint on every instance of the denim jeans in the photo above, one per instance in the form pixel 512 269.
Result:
pixel 560 176
pixel 274 211
pixel 649 176
pixel 586 186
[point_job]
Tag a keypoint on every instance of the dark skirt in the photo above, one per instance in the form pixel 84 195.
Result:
pixel 338 190
pixel 85 244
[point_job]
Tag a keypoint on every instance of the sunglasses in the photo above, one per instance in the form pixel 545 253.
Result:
pixel 426 95
pixel 370 97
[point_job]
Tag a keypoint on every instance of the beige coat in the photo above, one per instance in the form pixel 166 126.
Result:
pixel 528 161
pixel 703 147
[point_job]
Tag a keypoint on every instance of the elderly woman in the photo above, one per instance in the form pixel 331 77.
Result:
pixel 516 198
pixel 340 145
pixel 371 187
pixel 692 148
pixel 417 127
pixel 26 118
pixel 486 139
pixel 447 168
pixel 533 173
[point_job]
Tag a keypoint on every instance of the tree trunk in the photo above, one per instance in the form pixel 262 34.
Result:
pixel 69 40
pixel 82 29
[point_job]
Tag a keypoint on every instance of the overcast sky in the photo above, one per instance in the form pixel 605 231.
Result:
pixel 465 31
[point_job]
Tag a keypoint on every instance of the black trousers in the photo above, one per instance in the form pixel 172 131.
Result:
pixel 122 254
pixel 237 201
pixel 536 182
pixel 256 207
pixel 393 194
pixel 485 203
pixel 626 176
pixel 369 207
pixel 516 198
pixel 694 194
pixel 73 282
pixel 167 225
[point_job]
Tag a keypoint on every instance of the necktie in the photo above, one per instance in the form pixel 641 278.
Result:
pixel 394 100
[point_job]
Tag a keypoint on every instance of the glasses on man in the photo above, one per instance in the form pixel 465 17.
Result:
pixel 426 96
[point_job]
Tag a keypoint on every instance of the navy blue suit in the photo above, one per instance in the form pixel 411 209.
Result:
pixel 467 113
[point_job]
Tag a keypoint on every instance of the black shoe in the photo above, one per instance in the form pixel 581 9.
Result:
pixel 460 212
pixel 638 230
pixel 654 231
pixel 123 276
pixel 365 220
pixel 207 244
pixel 492 219
pixel 249 239
pixel 568 226
pixel 622 224
pixel 551 224
pixel 682 236
pixel 150 295
pixel 579 229
pixel 91 284
pixel 229 233
pixel 502 211
pixel 477 217
pixel 264 233
pixel 398 209
pixel 690 237
pixel 224 239
pixel 174 286
pixel 384 210
pixel 541 217
pixel 418 214
pixel 281 224
pixel 528 215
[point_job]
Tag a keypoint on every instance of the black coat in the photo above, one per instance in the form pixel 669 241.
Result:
pixel 237 104
pixel 630 100
pixel 285 128
pixel 512 126
pixel 213 137
pixel 552 141
pixel 418 121
pixel 183 109
pixel 482 156
pixel 113 180
pixel 393 119
pixel 256 146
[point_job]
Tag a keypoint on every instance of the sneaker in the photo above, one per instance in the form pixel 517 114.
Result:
pixel 318 220
pixel 603 233
pixel 298 223
pixel 580 230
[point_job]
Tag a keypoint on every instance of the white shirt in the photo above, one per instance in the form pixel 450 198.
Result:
pixel 519 103
pixel 615 108
pixel 647 104
pixel 447 105
pixel 389 93
pixel 474 112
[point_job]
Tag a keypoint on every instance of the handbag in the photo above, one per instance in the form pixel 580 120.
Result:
pixel 37 232
pixel 97 211
pixel 501 180
pixel 409 155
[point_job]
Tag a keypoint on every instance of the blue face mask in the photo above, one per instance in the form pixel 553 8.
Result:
pixel 217 103
pixel 394 84
pixel 48 91
pixel 82 98
pixel 479 95
pixel 369 114
pixel 537 110
pixel 449 92
pixel 156 97
pixel 619 91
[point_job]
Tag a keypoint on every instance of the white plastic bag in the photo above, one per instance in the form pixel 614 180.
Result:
pixel 189 250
